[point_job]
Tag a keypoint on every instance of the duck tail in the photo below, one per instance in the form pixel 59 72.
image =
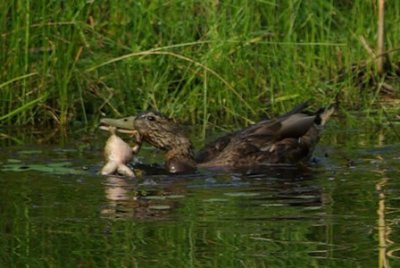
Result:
pixel 324 114
pixel 321 116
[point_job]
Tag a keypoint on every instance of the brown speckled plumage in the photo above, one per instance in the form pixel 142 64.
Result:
pixel 288 139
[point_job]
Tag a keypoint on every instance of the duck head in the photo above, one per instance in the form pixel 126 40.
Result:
pixel 164 134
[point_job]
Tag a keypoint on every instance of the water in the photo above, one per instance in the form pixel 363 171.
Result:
pixel 56 211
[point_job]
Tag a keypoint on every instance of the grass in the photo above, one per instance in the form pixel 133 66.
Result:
pixel 66 62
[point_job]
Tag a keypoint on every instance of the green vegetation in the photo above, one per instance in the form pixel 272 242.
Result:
pixel 200 61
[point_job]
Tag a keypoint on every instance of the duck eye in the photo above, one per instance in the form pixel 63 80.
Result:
pixel 151 118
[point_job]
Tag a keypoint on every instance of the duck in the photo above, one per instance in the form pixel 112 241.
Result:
pixel 289 139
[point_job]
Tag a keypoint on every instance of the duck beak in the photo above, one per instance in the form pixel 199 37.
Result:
pixel 121 123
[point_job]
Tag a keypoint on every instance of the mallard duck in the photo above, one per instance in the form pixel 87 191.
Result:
pixel 287 139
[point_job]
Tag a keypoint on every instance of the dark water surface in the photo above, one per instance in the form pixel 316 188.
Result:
pixel 56 211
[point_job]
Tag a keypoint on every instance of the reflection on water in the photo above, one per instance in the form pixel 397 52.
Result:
pixel 126 200
pixel 155 198
pixel 57 211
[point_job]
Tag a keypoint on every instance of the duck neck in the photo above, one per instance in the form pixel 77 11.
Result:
pixel 179 157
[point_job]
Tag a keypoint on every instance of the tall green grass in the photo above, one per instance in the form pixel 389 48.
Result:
pixel 201 61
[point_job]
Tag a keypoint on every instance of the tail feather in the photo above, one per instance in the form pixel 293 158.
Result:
pixel 326 114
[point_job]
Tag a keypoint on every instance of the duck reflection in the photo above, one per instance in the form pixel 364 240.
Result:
pixel 125 199
pixel 158 197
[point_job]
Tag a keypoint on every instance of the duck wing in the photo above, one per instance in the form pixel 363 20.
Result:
pixel 263 130
pixel 297 109
pixel 288 139
pixel 211 150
